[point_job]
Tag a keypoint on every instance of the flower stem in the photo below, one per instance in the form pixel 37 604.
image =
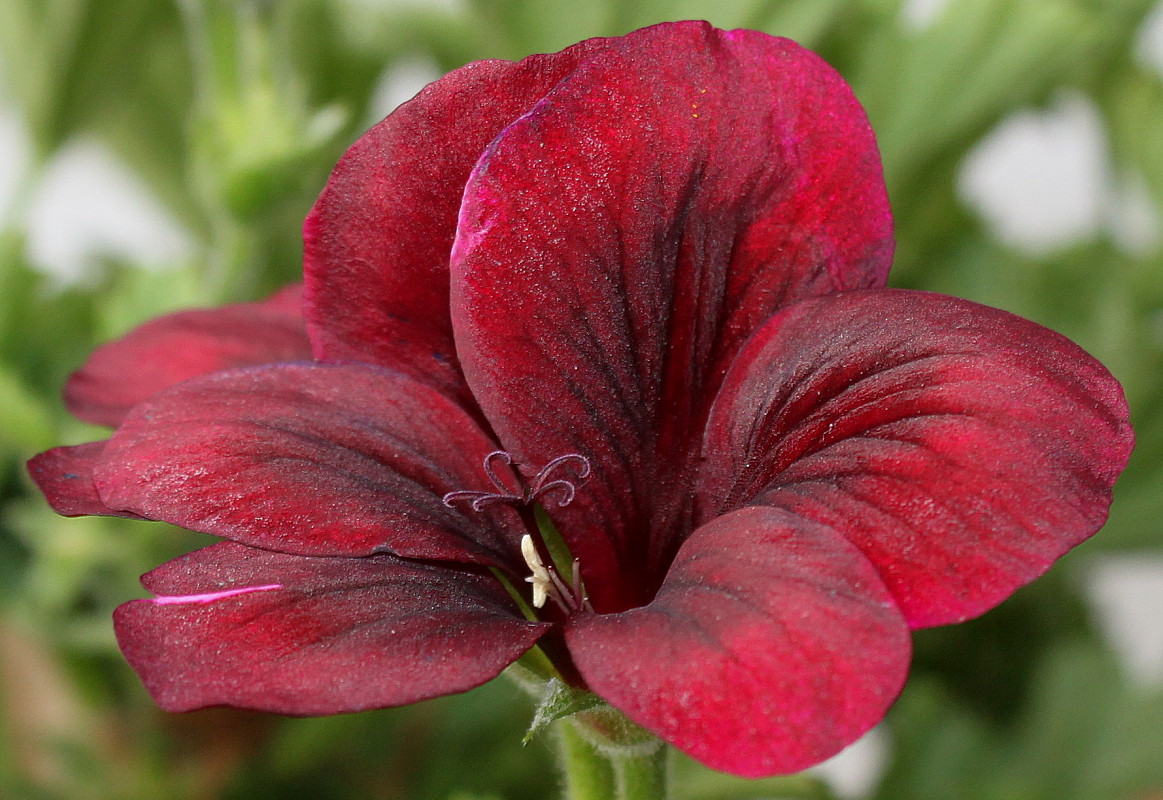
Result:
pixel 592 774
pixel 642 777
pixel 588 774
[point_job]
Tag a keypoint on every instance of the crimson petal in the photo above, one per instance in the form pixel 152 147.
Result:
pixel 963 449
pixel 299 635
pixel 622 239
pixel 164 351
pixel 311 459
pixel 65 476
pixel 376 243
pixel 771 645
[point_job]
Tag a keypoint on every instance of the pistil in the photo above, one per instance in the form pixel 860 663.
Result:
pixel 539 485
pixel 560 475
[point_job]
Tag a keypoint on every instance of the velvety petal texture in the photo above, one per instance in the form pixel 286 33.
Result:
pixel 237 626
pixel 309 459
pixel 963 449
pixel 771 645
pixel 622 239
pixel 376 243
pixel 170 349
pixel 64 476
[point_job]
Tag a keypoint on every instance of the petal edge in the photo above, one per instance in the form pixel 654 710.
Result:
pixel 771 645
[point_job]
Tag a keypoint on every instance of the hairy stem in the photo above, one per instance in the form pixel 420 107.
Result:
pixel 588 774
pixel 642 777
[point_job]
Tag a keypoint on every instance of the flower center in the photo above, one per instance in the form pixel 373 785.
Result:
pixel 562 476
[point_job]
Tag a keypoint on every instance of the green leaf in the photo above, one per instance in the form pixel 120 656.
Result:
pixel 1086 734
pixel 945 85
pixel 558 702
pixel 65 58
pixel 1134 105
pixel 692 781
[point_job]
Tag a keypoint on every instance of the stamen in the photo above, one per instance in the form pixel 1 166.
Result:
pixel 547 584
pixel 562 590
pixel 583 600
pixel 541 579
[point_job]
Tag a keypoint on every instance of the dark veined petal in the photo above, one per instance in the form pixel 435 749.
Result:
pixel 621 240
pixel 963 449
pixel 311 459
pixel 172 348
pixel 771 645
pixel 65 476
pixel 376 243
pixel 237 626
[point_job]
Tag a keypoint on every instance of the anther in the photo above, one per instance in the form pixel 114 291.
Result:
pixel 540 578
pixel 547 584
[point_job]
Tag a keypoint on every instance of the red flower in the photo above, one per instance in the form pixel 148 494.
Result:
pixel 634 283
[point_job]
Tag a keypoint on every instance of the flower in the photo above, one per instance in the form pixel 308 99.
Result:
pixel 629 294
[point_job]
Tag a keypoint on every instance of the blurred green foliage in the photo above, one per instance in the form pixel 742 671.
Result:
pixel 231 112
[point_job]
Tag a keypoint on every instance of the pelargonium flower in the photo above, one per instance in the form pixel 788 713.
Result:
pixel 632 294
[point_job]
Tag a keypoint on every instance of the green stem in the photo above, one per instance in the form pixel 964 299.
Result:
pixel 642 777
pixel 588 774
pixel 594 773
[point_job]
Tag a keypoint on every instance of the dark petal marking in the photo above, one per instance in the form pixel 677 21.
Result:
pixel 621 248
pixel 963 449
pixel 376 243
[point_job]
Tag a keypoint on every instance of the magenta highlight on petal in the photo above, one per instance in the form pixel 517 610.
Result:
pixel 210 597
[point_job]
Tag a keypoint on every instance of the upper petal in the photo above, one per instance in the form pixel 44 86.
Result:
pixel 620 241
pixel 64 476
pixel 771 645
pixel 311 459
pixel 297 635
pixel 963 449
pixel 164 351
pixel 376 243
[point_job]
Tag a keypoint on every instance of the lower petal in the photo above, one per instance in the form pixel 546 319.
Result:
pixel 237 626
pixel 771 645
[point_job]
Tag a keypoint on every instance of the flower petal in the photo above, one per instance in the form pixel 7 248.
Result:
pixel 65 476
pixel 771 645
pixel 621 240
pixel 172 348
pixel 310 459
pixel 376 243
pixel 963 449
pixel 298 635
